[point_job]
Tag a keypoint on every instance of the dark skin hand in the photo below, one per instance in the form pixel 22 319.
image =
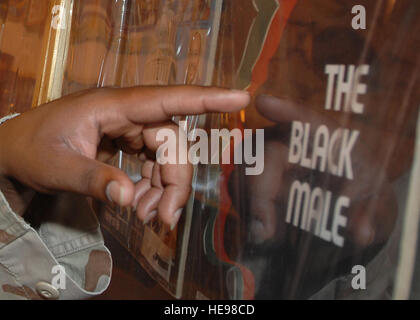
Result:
pixel 54 148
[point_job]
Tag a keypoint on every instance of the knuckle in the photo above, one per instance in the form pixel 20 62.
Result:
pixel 89 181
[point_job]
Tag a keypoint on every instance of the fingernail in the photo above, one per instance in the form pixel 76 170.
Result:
pixel 115 192
pixel 241 92
pixel 176 217
pixel 233 94
pixel 149 217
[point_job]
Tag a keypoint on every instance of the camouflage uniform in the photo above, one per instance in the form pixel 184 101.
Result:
pixel 64 231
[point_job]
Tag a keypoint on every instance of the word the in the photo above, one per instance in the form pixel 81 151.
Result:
pixel 345 81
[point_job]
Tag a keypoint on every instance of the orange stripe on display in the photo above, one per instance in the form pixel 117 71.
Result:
pixel 260 71
pixel 259 76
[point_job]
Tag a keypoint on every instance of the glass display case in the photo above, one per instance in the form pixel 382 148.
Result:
pixel 333 214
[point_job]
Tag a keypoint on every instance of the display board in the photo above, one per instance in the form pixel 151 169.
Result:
pixel 338 83
pixel 335 89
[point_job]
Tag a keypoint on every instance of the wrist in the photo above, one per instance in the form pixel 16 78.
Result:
pixel 3 140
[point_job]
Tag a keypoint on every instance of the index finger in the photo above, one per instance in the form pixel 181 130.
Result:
pixel 155 104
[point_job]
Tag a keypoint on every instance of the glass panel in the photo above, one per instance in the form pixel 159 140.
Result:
pixel 319 199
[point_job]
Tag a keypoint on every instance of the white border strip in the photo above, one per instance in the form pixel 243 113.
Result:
pixel 408 244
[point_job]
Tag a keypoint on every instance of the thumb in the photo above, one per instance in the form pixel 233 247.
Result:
pixel 18 196
pixel 96 179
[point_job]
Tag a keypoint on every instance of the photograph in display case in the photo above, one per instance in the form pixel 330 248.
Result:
pixel 339 109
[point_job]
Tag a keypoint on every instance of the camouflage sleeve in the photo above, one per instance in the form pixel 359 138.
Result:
pixel 57 252
pixel 58 260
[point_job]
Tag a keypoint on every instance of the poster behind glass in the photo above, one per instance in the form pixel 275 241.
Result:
pixel 339 108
